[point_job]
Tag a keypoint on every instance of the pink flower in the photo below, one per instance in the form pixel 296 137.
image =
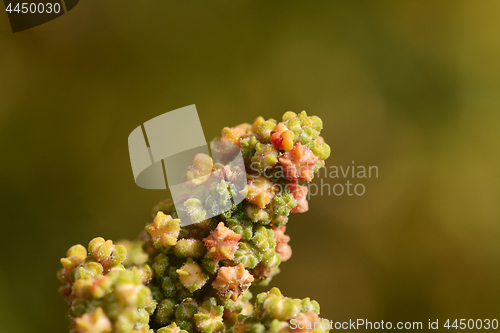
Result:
pixel 282 240
pixel 232 282
pixel 299 163
pixel 222 243
pixel 299 193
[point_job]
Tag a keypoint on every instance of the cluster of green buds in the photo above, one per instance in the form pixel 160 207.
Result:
pixel 196 278
pixel 104 295
pixel 275 313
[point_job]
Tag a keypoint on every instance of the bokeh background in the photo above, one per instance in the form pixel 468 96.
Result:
pixel 412 87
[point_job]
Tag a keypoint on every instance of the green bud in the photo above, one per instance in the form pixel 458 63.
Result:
pixel 289 115
pixel 186 310
pixel 294 125
pixel 241 226
pixel 257 328
pixel 160 264
pixel 119 254
pixel 317 166
pixel 317 123
pixel 266 155
pixel 265 129
pixel 263 238
pixel 78 307
pixel 304 119
pixel 278 220
pixel 172 328
pixel 246 255
pixel 129 288
pixel 189 248
pixel 194 208
pixel 284 203
pixel 219 198
pixel 276 306
pixel 279 326
pixel 186 325
pixel 271 258
pixel 248 146
pixel 151 303
pixel 90 268
pixel 258 215
pixel 210 265
pixel 308 136
pixel 168 287
pixel 135 253
pixel 308 305
pixel 126 320
pixel 156 293
pixel 208 318
pixel 165 311
pixel 144 272
pixel 322 151
pixel 142 318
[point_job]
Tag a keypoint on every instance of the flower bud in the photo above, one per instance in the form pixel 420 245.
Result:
pixel 172 328
pixel 232 282
pixel 165 311
pixel 94 322
pixel 192 276
pixel 164 230
pixel 221 243
pixel 191 248
pixel 208 318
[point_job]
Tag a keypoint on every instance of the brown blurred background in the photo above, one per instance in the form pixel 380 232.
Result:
pixel 412 87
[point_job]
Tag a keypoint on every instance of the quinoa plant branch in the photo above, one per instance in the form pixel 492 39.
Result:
pixel 195 279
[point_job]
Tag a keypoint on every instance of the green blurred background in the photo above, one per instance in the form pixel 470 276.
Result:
pixel 412 87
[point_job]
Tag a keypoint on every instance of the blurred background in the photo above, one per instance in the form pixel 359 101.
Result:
pixel 412 87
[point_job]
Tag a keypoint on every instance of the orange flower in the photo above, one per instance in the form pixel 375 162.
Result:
pixel 233 134
pixel 282 137
pixel 298 163
pixel 222 243
pixel 299 194
pixel 282 240
pixel 232 282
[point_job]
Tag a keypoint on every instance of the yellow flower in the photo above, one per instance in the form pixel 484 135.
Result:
pixel 164 230
pixel 192 276
pixel 260 190
pixel 94 322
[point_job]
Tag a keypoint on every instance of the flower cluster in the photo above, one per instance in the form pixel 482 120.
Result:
pixel 273 313
pixel 104 295
pixel 196 278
